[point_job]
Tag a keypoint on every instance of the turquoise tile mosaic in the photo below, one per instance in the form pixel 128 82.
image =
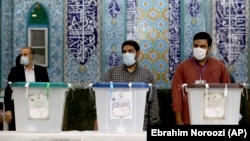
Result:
pixel 85 37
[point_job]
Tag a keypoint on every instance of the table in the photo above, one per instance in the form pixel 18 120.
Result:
pixel 62 136
pixel 70 136
pixel 95 136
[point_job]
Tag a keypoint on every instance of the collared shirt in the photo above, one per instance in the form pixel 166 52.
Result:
pixel 214 71
pixel 29 74
pixel 120 74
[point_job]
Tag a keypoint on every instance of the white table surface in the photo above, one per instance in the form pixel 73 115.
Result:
pixel 95 136
pixel 62 136
pixel 70 136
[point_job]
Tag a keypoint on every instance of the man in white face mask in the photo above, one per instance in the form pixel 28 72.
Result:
pixel 129 72
pixel 198 69
pixel 130 55
pixel 27 58
pixel 201 50
pixel 26 71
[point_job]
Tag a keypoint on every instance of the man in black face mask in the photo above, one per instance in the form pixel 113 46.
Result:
pixel 130 71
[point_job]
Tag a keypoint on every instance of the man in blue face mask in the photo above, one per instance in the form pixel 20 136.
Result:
pixel 130 55
pixel 26 71
pixel 129 72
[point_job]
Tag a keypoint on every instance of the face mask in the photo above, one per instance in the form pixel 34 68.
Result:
pixel 199 53
pixel 25 60
pixel 128 59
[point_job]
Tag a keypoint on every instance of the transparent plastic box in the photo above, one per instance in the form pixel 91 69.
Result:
pixel 39 106
pixel 215 103
pixel 120 106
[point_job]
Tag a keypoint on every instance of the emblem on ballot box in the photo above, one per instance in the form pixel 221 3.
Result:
pixel 38 106
pixel 214 105
pixel 121 105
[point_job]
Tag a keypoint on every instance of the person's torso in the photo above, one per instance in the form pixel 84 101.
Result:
pixel 120 74
pixel 211 72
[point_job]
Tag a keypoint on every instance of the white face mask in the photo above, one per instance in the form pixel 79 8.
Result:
pixel 128 59
pixel 25 60
pixel 199 53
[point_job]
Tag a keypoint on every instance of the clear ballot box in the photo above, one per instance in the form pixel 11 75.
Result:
pixel 120 106
pixel 39 106
pixel 215 103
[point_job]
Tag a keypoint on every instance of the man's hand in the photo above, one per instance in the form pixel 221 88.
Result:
pixel 95 125
pixel 179 122
pixel 1 116
pixel 178 118
pixel 8 116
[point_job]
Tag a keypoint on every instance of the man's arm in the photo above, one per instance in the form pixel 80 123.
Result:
pixel 8 97
pixel 8 105
pixel 154 109
pixel 8 90
pixel 153 102
pixel 176 95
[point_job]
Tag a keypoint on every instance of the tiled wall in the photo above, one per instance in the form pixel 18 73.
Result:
pixel 163 28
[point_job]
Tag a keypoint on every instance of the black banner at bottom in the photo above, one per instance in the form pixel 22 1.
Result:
pixel 223 132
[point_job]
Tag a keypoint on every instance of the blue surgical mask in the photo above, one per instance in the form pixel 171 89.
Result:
pixel 25 60
pixel 128 59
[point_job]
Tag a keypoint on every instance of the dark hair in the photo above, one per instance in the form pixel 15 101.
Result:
pixel 132 43
pixel 31 49
pixel 18 59
pixel 203 35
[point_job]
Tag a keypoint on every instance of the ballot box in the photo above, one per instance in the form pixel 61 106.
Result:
pixel 120 106
pixel 39 106
pixel 215 103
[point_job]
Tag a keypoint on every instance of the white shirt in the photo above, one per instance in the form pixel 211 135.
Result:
pixel 29 74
